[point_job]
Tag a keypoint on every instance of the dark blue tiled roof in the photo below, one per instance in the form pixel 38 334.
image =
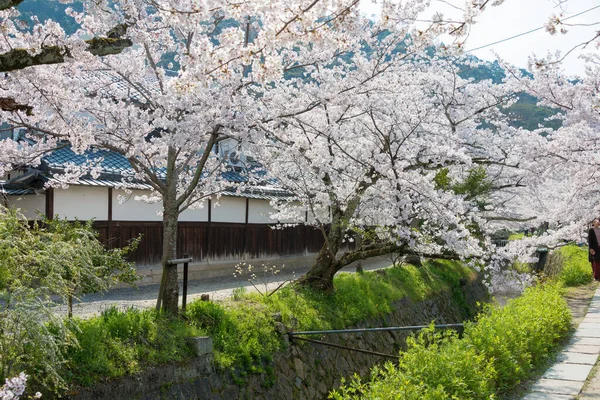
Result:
pixel 111 162
pixel 116 164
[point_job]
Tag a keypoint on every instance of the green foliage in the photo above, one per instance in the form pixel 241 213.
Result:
pixel 442 180
pixel 65 258
pixel 525 113
pixel 436 365
pixel 496 352
pixel 475 185
pixel 244 336
pixel 575 269
pixel 119 343
pixel 522 334
pixel 28 344
pixel 244 333
pixel 52 257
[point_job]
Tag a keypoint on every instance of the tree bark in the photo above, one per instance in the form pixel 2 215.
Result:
pixel 321 274
pixel 21 58
pixel 169 291
pixel 4 4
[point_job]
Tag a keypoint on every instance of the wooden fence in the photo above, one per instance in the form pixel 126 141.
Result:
pixel 212 241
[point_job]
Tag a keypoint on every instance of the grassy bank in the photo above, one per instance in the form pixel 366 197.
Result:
pixel 243 330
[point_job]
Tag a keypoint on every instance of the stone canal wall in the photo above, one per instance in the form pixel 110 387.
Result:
pixel 304 371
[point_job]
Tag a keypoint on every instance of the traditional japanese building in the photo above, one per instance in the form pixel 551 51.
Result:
pixel 236 225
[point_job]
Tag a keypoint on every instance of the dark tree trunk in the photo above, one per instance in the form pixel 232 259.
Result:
pixel 170 290
pixel 168 295
pixel 325 267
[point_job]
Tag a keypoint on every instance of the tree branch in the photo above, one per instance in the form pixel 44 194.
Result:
pixel 21 58
pixel 4 4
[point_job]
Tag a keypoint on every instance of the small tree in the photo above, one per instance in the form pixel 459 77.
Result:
pixel 53 257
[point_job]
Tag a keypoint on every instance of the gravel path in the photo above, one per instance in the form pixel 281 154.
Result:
pixel 216 288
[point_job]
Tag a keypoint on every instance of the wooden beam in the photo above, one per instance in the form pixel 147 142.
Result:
pixel 245 234
pixel 50 203
pixel 209 233
pixel 109 216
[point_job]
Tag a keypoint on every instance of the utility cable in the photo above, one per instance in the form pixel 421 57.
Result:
pixel 528 32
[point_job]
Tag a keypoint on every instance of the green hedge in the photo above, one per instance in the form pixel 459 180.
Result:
pixel 496 352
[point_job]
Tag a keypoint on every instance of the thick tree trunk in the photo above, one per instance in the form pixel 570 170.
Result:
pixel 323 270
pixel 168 295
pixel 321 274
pixel 170 287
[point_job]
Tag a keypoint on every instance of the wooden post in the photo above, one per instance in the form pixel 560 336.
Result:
pixel 209 234
pixel 245 235
pixel 50 203
pixel 185 282
pixel 109 218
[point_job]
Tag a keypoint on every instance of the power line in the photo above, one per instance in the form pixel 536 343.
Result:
pixel 528 32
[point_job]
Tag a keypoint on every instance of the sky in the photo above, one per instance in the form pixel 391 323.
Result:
pixel 518 16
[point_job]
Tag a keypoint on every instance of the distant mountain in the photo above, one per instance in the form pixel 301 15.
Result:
pixel 525 113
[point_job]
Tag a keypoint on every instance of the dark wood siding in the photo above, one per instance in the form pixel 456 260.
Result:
pixel 228 241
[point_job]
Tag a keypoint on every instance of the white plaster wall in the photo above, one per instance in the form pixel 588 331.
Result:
pixel 81 202
pixel 132 210
pixel 197 214
pixel 259 211
pixel 29 204
pixel 231 209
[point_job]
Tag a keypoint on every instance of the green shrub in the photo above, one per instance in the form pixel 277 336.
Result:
pixel 434 366
pixel 119 343
pixel 576 269
pixel 496 352
pixel 243 335
pixel 522 334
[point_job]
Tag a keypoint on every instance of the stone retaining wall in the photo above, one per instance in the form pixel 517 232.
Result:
pixel 304 370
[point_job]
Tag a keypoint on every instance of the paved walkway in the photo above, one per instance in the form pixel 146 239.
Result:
pixel 216 288
pixel 565 379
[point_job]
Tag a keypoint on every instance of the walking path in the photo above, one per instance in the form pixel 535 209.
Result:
pixel 216 288
pixel 566 378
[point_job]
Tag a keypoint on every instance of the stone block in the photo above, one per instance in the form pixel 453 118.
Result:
pixel 587 332
pixel 558 386
pixel 587 341
pixel 589 325
pixel 568 372
pixel 202 344
pixel 548 396
pixel 577 358
pixel 583 348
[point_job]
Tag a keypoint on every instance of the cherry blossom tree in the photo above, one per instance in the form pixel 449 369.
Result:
pixel 400 151
pixel 161 82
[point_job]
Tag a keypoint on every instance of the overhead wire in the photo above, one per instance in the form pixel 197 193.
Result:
pixel 528 32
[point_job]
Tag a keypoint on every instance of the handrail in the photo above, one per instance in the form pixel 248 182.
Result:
pixel 360 330
pixel 176 261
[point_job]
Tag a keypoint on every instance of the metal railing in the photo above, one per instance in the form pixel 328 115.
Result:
pixel 298 336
